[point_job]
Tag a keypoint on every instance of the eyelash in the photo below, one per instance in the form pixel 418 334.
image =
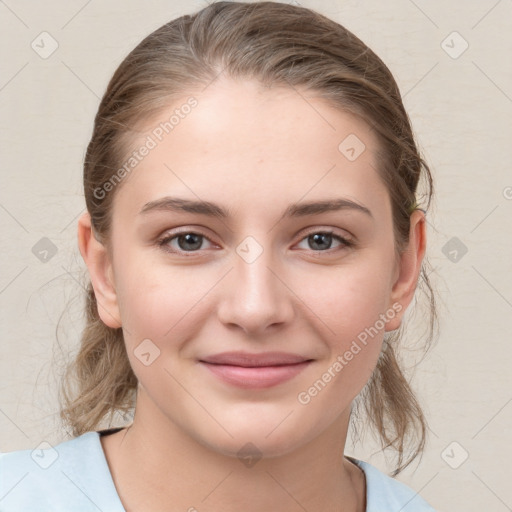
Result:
pixel 163 242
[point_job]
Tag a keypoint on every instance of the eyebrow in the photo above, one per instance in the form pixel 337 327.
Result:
pixel 176 204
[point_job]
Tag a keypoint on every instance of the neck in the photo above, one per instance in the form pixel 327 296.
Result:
pixel 158 466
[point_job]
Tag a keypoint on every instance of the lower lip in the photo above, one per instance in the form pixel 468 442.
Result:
pixel 256 377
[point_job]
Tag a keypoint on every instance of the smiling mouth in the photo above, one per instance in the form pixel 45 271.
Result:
pixel 255 371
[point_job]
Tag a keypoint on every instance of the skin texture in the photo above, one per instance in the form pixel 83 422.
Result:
pixel 254 151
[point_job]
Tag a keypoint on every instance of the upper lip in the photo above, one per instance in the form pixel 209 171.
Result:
pixel 247 359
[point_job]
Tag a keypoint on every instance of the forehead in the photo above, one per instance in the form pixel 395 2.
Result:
pixel 238 139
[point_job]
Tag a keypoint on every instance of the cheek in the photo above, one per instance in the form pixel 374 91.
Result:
pixel 352 306
pixel 346 299
pixel 165 304
pixel 352 311
pixel 154 308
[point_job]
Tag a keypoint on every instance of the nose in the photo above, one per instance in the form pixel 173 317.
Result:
pixel 256 296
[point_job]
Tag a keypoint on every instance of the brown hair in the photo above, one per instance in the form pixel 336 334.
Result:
pixel 276 44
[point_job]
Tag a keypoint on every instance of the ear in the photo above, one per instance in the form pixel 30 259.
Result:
pixel 98 262
pixel 409 268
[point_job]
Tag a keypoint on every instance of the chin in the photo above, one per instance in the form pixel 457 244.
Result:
pixel 264 438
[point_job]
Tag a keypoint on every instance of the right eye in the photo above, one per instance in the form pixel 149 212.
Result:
pixel 182 242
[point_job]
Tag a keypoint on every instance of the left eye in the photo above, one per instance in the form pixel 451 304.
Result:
pixel 319 240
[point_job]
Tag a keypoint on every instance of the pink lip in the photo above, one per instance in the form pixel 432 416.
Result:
pixel 255 371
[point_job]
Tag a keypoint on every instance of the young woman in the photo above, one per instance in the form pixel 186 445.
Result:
pixel 253 240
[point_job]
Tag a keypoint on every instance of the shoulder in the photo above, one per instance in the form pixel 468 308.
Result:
pixel 72 475
pixel 382 490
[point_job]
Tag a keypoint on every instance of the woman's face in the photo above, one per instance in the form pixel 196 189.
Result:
pixel 265 271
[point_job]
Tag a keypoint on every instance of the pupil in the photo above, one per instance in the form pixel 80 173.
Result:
pixel 189 239
pixel 318 237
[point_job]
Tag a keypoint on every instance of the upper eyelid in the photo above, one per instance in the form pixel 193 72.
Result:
pixel 171 236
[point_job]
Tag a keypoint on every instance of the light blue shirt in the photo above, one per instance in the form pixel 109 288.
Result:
pixel 74 476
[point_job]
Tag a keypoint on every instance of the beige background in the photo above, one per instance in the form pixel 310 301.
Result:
pixel 460 106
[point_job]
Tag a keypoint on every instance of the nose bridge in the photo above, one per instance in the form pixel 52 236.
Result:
pixel 256 297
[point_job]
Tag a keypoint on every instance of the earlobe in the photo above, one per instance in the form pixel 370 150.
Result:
pixel 410 262
pixel 96 257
